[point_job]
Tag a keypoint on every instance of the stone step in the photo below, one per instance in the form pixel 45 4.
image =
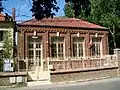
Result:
pixel 37 83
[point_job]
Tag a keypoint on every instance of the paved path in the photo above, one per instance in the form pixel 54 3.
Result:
pixel 106 84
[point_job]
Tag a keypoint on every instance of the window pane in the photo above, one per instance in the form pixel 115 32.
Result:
pixel 30 54
pixel 93 50
pixel 96 39
pixel 60 50
pixel 57 39
pixel 78 39
pixel 57 46
pixel 96 46
pixel 54 50
pixel 38 53
pixel 78 46
pixel 75 50
pixel 80 50
pixel 38 45
pixel 30 45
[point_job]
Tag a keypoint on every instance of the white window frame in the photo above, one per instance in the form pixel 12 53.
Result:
pixel 83 46
pixel 100 47
pixel 58 42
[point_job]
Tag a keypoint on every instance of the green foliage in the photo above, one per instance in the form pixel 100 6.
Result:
pixel 80 6
pixel 107 13
pixel 103 12
pixel 8 45
pixel 44 8
pixel 68 10
pixel 1 7
pixel 1 63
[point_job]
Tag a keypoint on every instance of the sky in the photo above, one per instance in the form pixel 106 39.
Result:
pixel 23 8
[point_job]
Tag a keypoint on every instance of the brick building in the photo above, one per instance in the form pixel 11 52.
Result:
pixel 63 37
pixel 65 42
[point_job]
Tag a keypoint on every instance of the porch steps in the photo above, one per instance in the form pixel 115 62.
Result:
pixel 37 83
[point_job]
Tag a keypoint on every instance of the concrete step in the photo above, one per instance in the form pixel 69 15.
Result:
pixel 37 83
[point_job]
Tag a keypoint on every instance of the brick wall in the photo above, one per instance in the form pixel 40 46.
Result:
pixel 5 78
pixel 48 32
pixel 84 75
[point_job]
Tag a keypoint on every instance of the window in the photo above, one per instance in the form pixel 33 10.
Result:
pixel 34 47
pixel 96 46
pixel 1 35
pixel 78 46
pixel 57 47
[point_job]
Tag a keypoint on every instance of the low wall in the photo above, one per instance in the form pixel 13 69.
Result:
pixel 84 74
pixel 13 78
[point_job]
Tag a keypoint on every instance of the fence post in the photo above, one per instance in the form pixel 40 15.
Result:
pixel 83 64
pixel 117 52
pixel 26 64
pixel 18 64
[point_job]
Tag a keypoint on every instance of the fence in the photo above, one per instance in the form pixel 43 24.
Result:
pixel 85 63
pixel 68 63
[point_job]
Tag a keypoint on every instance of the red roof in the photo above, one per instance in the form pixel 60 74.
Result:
pixel 2 17
pixel 62 22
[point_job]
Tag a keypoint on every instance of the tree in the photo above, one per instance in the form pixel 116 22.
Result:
pixel 1 8
pixel 68 10
pixel 44 8
pixel 80 6
pixel 8 44
pixel 107 14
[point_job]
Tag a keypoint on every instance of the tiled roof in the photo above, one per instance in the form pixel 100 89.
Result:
pixel 62 22
pixel 2 17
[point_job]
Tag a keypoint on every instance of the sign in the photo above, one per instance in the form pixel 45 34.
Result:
pixel 8 65
pixel 12 80
pixel 19 79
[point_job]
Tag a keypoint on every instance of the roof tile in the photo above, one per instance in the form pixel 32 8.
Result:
pixel 60 21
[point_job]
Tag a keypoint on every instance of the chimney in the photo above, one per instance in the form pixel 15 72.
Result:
pixel 13 14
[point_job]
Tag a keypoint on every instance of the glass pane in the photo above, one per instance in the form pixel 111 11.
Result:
pixel 30 45
pixel 80 48
pixel 78 39
pixel 54 50
pixel 30 54
pixel 93 50
pixel 60 50
pixel 97 49
pixel 75 50
pixel 38 45
pixel 57 39
pixel 96 39
pixel 38 54
pixel 57 46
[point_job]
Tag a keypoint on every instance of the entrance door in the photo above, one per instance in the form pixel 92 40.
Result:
pixel 35 60
pixel 35 64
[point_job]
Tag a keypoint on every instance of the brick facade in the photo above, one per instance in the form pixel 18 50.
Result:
pixel 48 32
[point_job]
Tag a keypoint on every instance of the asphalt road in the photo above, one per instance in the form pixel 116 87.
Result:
pixel 106 84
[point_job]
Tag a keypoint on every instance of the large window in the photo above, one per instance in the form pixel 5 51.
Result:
pixel 1 35
pixel 78 46
pixel 34 47
pixel 96 47
pixel 57 47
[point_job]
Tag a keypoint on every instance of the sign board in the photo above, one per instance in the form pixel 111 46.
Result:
pixel 12 79
pixel 19 79
pixel 8 65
